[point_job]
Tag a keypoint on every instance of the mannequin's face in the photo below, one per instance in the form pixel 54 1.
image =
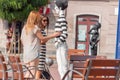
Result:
pixel 57 9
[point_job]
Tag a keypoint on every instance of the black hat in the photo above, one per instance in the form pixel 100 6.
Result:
pixel 98 25
pixel 63 4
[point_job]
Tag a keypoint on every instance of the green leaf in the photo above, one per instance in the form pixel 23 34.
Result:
pixel 18 9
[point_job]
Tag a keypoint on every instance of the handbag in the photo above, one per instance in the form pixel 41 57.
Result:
pixel 45 75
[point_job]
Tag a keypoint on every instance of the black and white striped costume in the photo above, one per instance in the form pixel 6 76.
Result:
pixel 61 25
pixel 61 45
pixel 60 41
pixel 42 55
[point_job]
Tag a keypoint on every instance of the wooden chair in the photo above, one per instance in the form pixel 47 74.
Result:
pixel 3 68
pixel 75 52
pixel 18 67
pixel 14 67
pixel 77 63
pixel 102 69
pixel 96 69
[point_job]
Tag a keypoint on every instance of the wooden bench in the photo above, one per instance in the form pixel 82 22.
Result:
pixel 79 60
pixel 96 69
pixel 75 52
pixel 102 69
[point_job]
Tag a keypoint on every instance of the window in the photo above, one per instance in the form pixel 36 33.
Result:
pixel 83 25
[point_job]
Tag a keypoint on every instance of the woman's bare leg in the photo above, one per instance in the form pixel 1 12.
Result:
pixel 27 74
pixel 33 69
pixel 38 74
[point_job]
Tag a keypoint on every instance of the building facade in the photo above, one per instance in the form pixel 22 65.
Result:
pixel 81 16
pixel 102 10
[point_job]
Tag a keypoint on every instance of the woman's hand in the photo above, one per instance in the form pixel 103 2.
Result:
pixel 43 41
pixel 57 34
pixel 46 38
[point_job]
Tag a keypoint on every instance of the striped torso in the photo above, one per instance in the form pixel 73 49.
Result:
pixel 61 25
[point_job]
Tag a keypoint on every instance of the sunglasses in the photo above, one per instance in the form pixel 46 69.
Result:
pixel 44 20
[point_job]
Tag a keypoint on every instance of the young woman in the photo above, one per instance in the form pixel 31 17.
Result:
pixel 42 55
pixel 31 38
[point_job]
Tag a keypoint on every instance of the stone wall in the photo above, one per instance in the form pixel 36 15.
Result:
pixel 3 29
pixel 106 11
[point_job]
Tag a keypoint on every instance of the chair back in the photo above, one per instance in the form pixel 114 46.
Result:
pixel 14 61
pixel 102 69
pixel 3 68
pixel 78 62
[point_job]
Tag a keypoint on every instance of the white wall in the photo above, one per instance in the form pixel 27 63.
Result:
pixel 3 29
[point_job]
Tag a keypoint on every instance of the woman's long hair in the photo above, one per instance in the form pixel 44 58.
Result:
pixel 45 16
pixel 34 18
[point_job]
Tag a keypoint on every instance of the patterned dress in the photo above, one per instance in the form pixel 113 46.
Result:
pixel 42 55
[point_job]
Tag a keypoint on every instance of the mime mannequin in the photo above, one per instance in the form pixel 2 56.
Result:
pixel 95 38
pixel 60 41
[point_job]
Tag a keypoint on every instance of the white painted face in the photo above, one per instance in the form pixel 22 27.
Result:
pixel 57 9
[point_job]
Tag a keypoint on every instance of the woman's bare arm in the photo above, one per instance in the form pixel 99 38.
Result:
pixel 46 38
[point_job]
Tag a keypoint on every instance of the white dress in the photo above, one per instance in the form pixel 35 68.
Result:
pixel 31 45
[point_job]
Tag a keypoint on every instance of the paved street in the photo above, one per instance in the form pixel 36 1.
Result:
pixel 54 72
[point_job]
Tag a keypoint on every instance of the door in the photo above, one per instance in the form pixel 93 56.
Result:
pixel 83 25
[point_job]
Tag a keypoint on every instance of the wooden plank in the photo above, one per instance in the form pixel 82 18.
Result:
pixel 75 52
pixel 100 71
pixel 105 62
pixel 3 68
